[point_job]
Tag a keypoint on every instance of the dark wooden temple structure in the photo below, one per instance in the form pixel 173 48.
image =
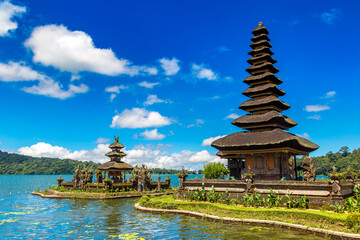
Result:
pixel 264 153
pixel 115 168
pixel 265 147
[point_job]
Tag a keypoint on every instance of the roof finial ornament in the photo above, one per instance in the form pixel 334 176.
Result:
pixel 116 139
pixel 260 24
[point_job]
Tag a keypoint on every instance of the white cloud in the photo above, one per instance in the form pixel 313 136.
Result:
pixel 208 141
pixel 154 158
pixel 115 90
pixel 316 117
pixel 74 51
pixel 149 70
pixel 151 99
pixel 232 116
pixel 223 49
pixel 294 22
pixel 139 118
pixel 316 108
pixel 42 149
pixel 51 88
pixel 152 135
pixel 146 84
pixel 75 77
pixel 198 123
pixel 331 16
pixel 330 94
pixel 171 67
pixel 18 72
pixel 304 135
pixel 102 140
pixel 112 96
pixel 200 72
pixel 7 12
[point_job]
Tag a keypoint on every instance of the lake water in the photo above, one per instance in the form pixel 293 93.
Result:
pixel 25 216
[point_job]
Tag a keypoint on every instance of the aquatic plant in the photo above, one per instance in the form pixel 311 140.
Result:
pixel 127 236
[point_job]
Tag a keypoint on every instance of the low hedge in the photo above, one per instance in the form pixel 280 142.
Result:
pixel 308 217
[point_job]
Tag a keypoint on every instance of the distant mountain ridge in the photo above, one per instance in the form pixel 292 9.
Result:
pixel 16 164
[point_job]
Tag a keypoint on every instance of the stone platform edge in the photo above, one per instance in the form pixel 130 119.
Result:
pixel 97 198
pixel 319 231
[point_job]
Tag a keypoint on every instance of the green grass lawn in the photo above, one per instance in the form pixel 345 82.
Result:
pixel 329 220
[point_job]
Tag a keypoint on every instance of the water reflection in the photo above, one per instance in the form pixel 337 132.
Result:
pixel 82 219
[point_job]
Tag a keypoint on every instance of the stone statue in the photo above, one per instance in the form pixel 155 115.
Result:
pixel 83 177
pixel 308 169
pixel 76 179
pixel 135 174
pixel 182 177
pixel 90 175
pixel 99 178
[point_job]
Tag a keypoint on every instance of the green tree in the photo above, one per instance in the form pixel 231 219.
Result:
pixel 215 170
pixel 344 151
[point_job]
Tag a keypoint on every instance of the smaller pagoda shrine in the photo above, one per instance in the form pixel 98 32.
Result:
pixel 115 168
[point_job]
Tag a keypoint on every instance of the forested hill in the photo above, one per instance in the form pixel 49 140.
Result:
pixel 342 159
pixel 16 164
pixel 11 164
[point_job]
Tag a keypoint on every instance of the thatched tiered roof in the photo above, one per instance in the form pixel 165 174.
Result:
pixel 115 164
pixel 265 121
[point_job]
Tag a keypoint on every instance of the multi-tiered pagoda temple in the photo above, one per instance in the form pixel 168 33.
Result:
pixel 265 147
pixel 115 167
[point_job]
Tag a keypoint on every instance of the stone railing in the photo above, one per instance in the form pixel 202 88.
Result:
pixel 134 185
pixel 318 193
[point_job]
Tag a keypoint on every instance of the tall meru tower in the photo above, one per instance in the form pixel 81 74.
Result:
pixel 265 146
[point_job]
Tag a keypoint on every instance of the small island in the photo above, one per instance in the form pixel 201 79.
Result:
pixel 110 182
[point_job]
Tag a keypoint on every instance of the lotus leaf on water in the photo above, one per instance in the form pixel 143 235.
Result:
pixel 15 213
pixel 127 236
pixel 11 220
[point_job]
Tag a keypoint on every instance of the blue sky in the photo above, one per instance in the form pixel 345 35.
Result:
pixel 166 76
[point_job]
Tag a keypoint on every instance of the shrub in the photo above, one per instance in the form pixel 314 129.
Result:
pixel 248 200
pixel 215 170
pixel 165 205
pixel 234 201
pixel 143 200
pixel 213 196
pixel 226 196
pixel 271 198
